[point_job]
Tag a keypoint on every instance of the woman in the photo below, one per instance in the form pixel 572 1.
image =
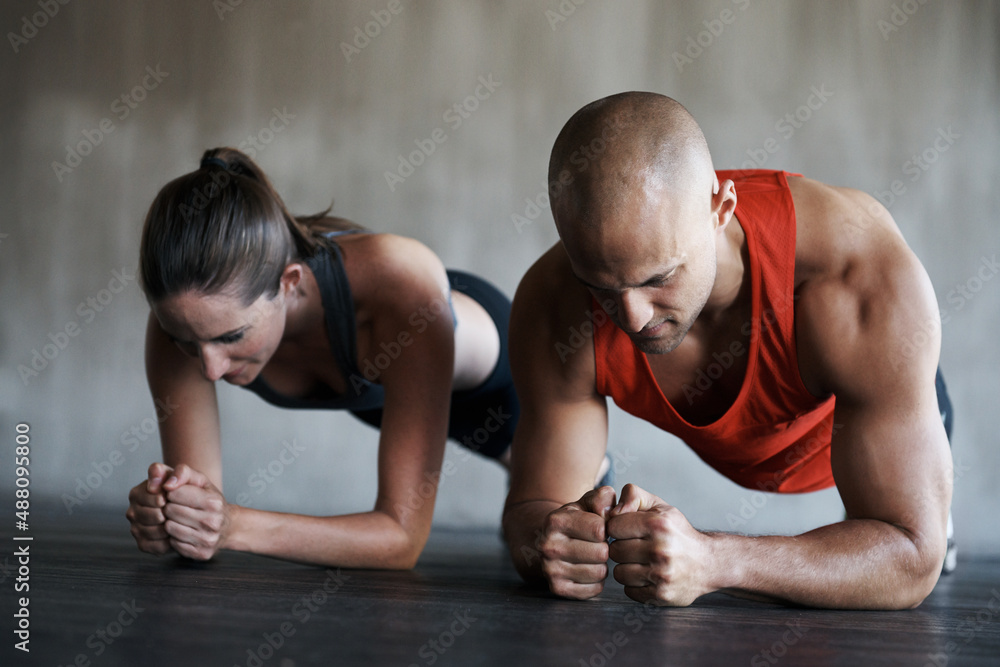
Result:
pixel 308 313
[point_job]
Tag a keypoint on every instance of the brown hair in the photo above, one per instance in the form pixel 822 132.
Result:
pixel 224 229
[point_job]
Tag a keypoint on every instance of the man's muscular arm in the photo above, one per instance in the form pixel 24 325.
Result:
pixel 553 521
pixel 890 457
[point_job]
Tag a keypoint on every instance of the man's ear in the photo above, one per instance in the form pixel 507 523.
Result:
pixel 723 202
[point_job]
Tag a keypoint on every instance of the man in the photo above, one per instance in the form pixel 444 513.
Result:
pixel 761 317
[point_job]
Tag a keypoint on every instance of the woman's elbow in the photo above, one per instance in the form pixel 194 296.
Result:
pixel 405 548
pixel 403 559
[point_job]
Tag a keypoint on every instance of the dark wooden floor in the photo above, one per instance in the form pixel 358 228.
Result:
pixel 95 600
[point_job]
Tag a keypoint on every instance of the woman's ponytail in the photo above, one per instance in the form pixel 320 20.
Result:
pixel 224 228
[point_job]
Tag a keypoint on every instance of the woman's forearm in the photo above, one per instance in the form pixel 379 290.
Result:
pixel 365 540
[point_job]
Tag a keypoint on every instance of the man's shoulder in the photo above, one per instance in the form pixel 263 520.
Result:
pixel 551 310
pixel 549 290
pixel 859 288
pixel 839 229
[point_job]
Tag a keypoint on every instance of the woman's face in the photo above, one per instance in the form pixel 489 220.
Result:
pixel 233 342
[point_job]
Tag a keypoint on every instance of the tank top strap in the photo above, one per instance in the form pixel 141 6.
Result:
pixel 338 309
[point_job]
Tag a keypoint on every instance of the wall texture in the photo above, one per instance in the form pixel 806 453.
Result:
pixel 104 102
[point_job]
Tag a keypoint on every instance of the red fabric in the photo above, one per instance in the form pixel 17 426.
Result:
pixel 776 435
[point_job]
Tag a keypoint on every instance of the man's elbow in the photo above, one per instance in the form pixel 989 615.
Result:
pixel 919 591
pixel 923 573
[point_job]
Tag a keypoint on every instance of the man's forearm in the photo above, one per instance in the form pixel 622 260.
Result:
pixel 522 526
pixel 857 564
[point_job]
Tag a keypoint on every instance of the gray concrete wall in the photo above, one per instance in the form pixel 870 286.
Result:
pixel 329 123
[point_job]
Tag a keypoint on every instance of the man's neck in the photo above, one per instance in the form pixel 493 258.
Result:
pixel 731 276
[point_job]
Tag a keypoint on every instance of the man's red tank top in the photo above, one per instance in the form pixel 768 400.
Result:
pixel 776 435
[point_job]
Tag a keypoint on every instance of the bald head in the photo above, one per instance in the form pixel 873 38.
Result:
pixel 622 147
pixel 631 185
